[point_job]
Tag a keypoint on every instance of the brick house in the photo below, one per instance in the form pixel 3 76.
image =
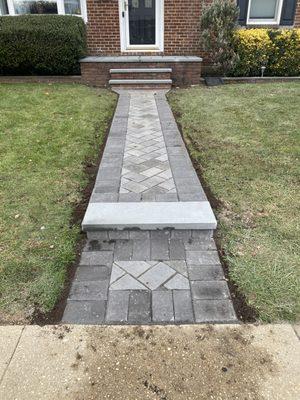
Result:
pixel 150 40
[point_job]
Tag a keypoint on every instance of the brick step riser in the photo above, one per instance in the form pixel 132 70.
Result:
pixel 139 75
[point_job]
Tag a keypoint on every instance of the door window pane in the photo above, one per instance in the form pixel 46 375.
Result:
pixel 35 6
pixel 141 22
pixel 263 9
pixel 3 7
pixel 72 7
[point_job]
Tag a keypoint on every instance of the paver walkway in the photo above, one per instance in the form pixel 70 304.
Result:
pixel 151 276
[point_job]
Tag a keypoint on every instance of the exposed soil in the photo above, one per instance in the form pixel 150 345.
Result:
pixel 90 170
pixel 243 311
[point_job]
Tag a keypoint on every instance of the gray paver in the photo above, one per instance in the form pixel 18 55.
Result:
pixel 214 311
pixel 209 290
pixel 88 290
pixel 205 272
pixel 117 307
pixel 123 250
pixel 202 257
pixel 96 258
pixel 92 273
pixel 177 250
pixel 139 310
pixel 134 268
pixel 84 312
pixel 160 249
pixel 178 282
pixel 183 306
pixel 127 282
pixel 156 276
pixel 162 306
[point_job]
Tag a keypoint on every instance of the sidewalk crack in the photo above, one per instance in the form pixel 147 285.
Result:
pixel 12 356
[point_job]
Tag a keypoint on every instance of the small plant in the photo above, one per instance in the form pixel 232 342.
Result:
pixel 218 24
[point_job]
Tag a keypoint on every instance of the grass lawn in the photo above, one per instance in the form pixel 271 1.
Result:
pixel 48 133
pixel 246 141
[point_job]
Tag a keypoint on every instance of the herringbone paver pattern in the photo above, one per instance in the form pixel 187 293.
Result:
pixel 146 169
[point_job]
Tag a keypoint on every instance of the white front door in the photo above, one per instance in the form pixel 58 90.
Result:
pixel 141 25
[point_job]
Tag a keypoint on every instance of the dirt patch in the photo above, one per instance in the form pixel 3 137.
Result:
pixel 154 363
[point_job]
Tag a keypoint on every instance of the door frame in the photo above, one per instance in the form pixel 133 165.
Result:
pixel 124 29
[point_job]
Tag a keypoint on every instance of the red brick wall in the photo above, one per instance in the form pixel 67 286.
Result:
pixel 181 18
pixel 297 16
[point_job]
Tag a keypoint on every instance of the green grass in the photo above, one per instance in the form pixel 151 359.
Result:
pixel 47 135
pixel 246 141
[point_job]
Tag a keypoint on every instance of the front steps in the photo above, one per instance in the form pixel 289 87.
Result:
pixel 141 78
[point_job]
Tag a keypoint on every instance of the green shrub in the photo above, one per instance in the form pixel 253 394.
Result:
pixel 285 57
pixel 41 44
pixel 278 50
pixel 218 23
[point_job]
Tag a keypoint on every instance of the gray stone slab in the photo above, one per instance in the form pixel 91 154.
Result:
pixel 92 273
pixel 212 311
pixel 149 216
pixel 205 272
pixel 139 310
pixel 162 307
pixel 84 312
pixel 183 306
pixel 89 290
pixel 139 235
pixel 117 307
pixel 209 290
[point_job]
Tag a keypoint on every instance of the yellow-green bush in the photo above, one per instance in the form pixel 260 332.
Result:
pixel 277 50
pixel 285 59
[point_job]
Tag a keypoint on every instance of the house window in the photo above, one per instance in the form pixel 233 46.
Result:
pixel 3 7
pixel 264 12
pixel 35 7
pixel 62 7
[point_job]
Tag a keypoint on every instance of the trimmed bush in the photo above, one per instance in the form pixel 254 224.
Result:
pixel 277 50
pixel 41 44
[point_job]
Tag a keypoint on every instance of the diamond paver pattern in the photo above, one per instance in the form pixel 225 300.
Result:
pixel 111 287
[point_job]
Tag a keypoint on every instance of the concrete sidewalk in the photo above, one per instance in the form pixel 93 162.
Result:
pixel 159 362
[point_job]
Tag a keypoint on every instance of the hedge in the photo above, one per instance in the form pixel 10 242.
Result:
pixel 277 49
pixel 41 44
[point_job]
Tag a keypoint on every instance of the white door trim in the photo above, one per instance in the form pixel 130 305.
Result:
pixel 124 29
